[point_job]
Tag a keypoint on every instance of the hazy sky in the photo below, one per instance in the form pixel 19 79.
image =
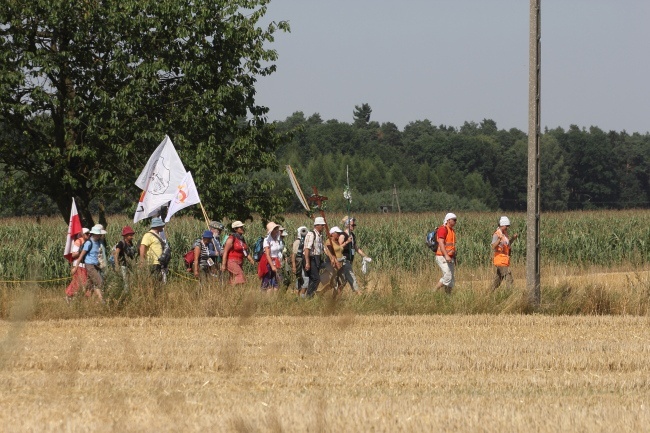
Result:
pixel 452 61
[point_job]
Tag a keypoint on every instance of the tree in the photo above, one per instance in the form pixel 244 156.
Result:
pixel 93 87
pixel 361 115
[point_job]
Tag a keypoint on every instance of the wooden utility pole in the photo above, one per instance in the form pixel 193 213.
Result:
pixel 533 212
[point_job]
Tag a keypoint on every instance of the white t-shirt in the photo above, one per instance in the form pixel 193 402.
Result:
pixel 275 246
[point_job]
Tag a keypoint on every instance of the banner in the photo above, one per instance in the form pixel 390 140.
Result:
pixel 74 228
pixel 159 180
pixel 186 195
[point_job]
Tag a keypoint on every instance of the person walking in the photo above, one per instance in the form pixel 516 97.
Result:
pixel 501 247
pixel 235 251
pixel 215 247
pixel 90 254
pixel 312 250
pixel 285 264
pixel 332 276
pixel 350 249
pixel 446 253
pixel 271 261
pixel 124 254
pixel 78 270
pixel 298 260
pixel 203 265
pixel 151 249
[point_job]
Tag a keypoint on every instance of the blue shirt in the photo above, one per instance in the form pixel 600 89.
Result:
pixel 92 248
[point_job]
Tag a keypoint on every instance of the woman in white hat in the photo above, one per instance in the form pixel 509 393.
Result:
pixel 332 277
pixel 271 260
pixel 501 243
pixel 90 257
pixel 235 251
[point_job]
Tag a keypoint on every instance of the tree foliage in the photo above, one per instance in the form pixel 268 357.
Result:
pixel 89 88
pixel 479 165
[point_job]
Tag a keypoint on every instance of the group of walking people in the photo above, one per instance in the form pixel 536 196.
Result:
pixel 446 252
pixel 316 260
pixel 90 258
pixel 319 259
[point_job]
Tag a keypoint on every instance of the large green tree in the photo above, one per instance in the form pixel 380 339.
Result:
pixel 89 88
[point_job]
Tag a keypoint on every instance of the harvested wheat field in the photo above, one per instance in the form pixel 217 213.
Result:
pixel 327 374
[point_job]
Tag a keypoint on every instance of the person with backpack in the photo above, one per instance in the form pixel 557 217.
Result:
pixel 123 254
pixel 235 251
pixel 285 269
pixel 446 252
pixel 203 264
pixel 215 247
pixel 501 244
pixel 298 260
pixel 78 271
pixel 271 261
pixel 350 249
pixel 152 250
pixel 332 276
pixel 90 253
pixel 312 251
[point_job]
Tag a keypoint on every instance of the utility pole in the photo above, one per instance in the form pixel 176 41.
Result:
pixel 533 212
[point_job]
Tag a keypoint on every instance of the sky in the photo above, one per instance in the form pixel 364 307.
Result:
pixel 452 61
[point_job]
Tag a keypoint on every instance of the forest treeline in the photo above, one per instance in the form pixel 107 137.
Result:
pixel 476 166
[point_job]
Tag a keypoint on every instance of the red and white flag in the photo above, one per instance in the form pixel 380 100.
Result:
pixel 74 228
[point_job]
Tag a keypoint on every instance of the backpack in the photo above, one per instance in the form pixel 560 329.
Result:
pixel 258 249
pixel 300 254
pixel 111 257
pixel 166 255
pixel 432 240
pixel 188 258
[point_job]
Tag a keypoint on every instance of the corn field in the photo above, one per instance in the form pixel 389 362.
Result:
pixel 32 250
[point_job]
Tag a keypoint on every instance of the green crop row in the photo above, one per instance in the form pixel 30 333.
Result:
pixel 33 250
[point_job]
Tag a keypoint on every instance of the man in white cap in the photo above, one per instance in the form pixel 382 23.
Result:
pixel 501 243
pixel 446 253
pixel 312 251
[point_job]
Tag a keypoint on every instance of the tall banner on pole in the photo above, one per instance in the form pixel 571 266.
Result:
pixel 159 180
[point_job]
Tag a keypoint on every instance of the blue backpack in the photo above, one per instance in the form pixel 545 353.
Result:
pixel 432 240
pixel 258 249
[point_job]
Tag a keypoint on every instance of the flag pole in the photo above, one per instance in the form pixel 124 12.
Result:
pixel 205 215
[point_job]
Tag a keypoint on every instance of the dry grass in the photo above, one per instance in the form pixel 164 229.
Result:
pixel 327 374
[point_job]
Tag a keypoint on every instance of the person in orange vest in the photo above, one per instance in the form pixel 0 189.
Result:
pixel 501 244
pixel 446 253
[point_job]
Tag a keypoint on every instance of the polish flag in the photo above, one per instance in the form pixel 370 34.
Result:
pixel 74 228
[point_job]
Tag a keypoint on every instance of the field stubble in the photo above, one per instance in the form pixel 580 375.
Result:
pixel 335 373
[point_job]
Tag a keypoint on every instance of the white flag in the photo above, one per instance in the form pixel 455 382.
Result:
pixel 186 195
pixel 159 180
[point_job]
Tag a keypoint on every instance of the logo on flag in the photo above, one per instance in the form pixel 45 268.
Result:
pixel 187 195
pixel 158 180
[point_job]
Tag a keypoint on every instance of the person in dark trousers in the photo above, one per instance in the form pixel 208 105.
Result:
pixel 313 249
pixel 350 250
